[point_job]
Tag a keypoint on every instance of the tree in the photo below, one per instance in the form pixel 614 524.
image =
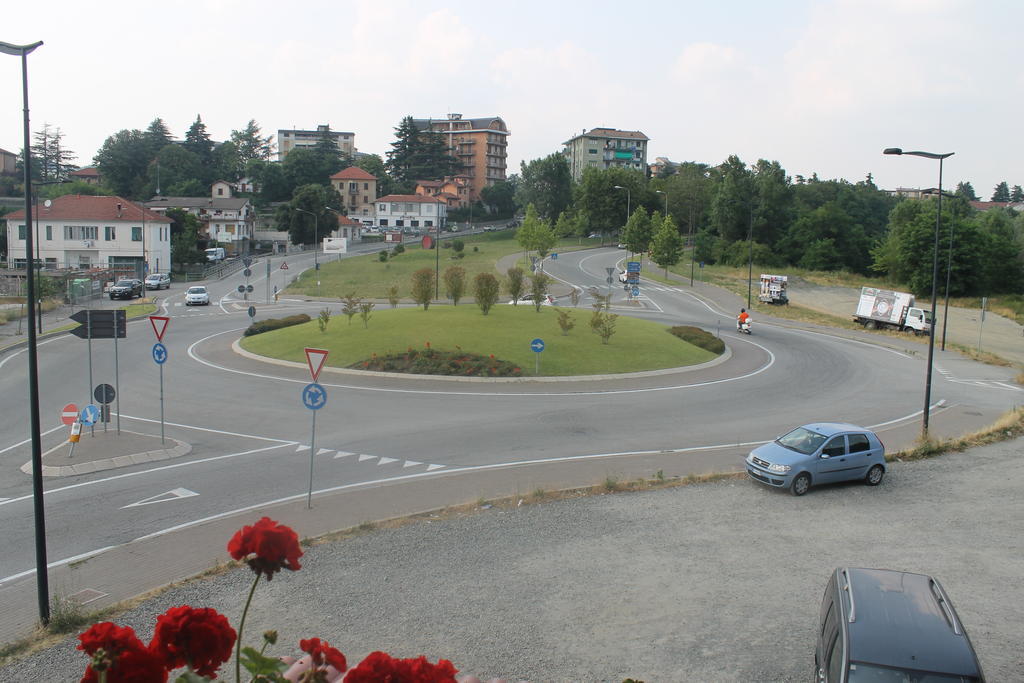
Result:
pixel 423 285
pixel 516 284
pixel 500 198
pixel 197 141
pixel 666 246
pixel 732 207
pixel 967 191
pixel 304 166
pixel 1001 193
pixel 302 227
pixel 774 201
pixel 485 291
pixel 431 158
pixel 177 166
pixel 455 283
pixel 404 149
pixel 157 136
pixel 122 162
pixel 50 159
pixel 603 207
pixel 602 323
pixel 547 184
pixel 185 247
pixel 374 165
pixel 251 144
pixel 639 231
pixel 826 238
pixel 568 225
pixel 330 156
pixel 226 164
pixel 539 289
pixel 689 192
pixel 270 180
pixel 1017 194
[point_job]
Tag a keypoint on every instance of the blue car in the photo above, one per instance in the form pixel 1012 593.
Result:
pixel 819 453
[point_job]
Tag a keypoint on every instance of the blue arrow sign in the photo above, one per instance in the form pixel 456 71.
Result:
pixel 314 396
pixel 89 415
pixel 537 345
pixel 159 353
pixel 636 291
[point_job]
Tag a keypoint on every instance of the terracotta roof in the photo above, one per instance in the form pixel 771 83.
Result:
pixel 222 203
pixel 87 172
pixel 353 173
pixel 430 183
pixel 89 208
pixel 345 220
pixel 410 198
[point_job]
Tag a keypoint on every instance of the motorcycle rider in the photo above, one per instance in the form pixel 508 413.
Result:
pixel 742 318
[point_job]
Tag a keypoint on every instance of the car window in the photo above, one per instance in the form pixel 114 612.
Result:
pixel 859 443
pixel 801 440
pixel 835 446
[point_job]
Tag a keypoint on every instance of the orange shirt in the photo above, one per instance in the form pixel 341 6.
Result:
pixel 743 317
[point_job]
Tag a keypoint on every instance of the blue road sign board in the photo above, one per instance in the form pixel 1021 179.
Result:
pixel 636 291
pixel 554 256
pixel 314 397
pixel 632 266
pixel 159 353
pixel 89 415
pixel 537 345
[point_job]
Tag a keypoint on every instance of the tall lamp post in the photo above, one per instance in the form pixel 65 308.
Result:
pixel 42 579
pixel 935 277
pixel 316 244
pixel 666 199
pixel 628 197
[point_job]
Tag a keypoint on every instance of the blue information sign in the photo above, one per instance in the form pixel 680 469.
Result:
pixel 159 353
pixel 89 415
pixel 537 345
pixel 554 256
pixel 314 396
pixel 632 266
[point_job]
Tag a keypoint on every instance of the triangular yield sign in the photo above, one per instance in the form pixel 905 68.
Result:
pixel 159 323
pixel 316 359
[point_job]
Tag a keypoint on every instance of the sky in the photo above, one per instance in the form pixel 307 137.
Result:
pixel 821 86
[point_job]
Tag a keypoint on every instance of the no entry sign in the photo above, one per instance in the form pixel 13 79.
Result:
pixel 69 415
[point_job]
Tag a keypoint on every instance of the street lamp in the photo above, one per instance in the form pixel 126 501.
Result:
pixel 666 199
pixel 316 241
pixel 340 214
pixel 42 578
pixel 935 277
pixel 628 196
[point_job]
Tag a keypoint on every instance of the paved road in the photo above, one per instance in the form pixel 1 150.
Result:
pixel 718 582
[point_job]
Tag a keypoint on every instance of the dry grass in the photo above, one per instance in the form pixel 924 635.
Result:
pixel 1010 425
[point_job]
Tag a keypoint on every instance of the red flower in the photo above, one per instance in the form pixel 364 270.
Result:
pixel 118 652
pixel 267 547
pixel 199 638
pixel 379 667
pixel 322 654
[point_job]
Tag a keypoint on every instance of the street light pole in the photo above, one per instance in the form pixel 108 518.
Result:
pixel 628 197
pixel 316 243
pixel 42 578
pixel 935 277
pixel 666 199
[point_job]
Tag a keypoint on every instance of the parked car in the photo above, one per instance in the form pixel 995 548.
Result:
pixel 158 281
pixel 197 296
pixel 622 276
pixel 820 453
pixel 126 289
pixel 527 299
pixel 884 625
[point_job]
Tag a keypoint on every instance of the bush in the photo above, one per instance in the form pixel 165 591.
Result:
pixel 699 338
pixel 430 361
pixel 399 248
pixel 275 324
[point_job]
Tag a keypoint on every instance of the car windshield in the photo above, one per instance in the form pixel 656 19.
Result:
pixel 883 674
pixel 123 283
pixel 802 440
pixel 197 290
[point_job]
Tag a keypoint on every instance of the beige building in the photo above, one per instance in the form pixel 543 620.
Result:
pixel 358 190
pixel 287 140
pixel 603 148
pixel 454 190
pixel 480 145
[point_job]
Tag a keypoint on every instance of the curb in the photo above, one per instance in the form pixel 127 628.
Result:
pixel 181 448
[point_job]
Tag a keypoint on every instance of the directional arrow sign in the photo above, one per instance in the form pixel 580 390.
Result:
pixel 101 324
pixel 316 359
pixel 175 494
pixel 159 323
pixel 159 353
pixel 90 414
pixel 314 397
pixel 537 345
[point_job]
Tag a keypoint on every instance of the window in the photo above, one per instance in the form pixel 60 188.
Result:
pixel 592 151
pixel 366 186
pixel 835 446
pixel 365 199
pixel 399 223
pixel 21 232
pixel 81 232
pixel 859 443
pixel 220 190
pixel 49 232
pixel 429 224
pixel 383 208
pixel 383 222
pixel 108 233
pixel 136 234
pixel 414 224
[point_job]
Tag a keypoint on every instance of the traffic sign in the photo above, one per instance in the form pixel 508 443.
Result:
pixel 247 261
pixel 103 324
pixel 90 414
pixel 159 323
pixel 247 272
pixel 241 289
pixel 103 393
pixel 632 266
pixel 248 288
pixel 70 414
pixel 609 279
pixel 636 291
pixel 611 270
pixel 554 256
pixel 252 311
pixel 314 397
pixel 316 358
pixel 537 345
pixel 284 265
pixel 159 353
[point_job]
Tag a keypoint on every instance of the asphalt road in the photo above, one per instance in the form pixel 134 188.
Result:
pixel 247 426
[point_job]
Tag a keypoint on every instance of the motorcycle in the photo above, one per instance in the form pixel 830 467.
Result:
pixel 743 326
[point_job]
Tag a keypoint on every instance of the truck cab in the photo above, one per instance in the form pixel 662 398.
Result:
pixel 918 320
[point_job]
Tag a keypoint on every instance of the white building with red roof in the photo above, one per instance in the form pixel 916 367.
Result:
pixel 80 232
pixel 408 212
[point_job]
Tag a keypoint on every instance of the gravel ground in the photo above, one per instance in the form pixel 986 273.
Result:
pixel 713 582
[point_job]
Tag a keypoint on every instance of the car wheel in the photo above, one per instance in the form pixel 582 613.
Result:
pixel 801 484
pixel 870 325
pixel 875 475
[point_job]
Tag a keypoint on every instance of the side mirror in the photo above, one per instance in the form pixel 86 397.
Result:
pixel 824 456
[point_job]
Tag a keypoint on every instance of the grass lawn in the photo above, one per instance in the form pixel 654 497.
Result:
pixel 369 278
pixel 506 332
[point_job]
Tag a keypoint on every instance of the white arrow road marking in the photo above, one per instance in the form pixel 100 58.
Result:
pixel 431 468
pixel 301 448
pixel 342 454
pixel 323 450
pixel 411 463
pixel 363 457
pixel 385 461
pixel 163 498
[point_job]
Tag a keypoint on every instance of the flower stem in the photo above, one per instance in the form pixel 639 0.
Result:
pixel 241 625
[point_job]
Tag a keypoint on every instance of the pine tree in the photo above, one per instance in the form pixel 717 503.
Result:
pixel 1017 194
pixel 403 151
pixel 157 136
pixel 251 144
pixel 1001 193
pixel 51 161
pixel 197 141
pixel 967 191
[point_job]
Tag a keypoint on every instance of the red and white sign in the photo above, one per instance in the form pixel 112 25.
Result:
pixel 159 323
pixel 284 265
pixel 69 415
pixel 316 359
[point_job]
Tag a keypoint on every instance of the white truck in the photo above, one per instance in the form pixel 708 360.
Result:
pixel 882 308
pixel 214 254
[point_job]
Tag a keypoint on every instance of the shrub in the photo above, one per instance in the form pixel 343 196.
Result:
pixel 269 324
pixel 392 295
pixel 383 256
pixel 399 249
pixel 485 291
pixel 699 338
pixel 324 319
pixel 429 361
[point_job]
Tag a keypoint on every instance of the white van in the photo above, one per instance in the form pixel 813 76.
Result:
pixel 215 254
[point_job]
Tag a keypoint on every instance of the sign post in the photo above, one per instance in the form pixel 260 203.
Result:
pixel 159 323
pixel 537 345
pixel 314 397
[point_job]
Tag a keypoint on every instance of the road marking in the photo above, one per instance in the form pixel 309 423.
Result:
pixel 301 447
pixel 323 450
pixel 22 443
pixel 342 454
pixel 431 468
pixel 411 463
pixel 59 563
pixel 385 461
pixel 174 494
pixel 363 456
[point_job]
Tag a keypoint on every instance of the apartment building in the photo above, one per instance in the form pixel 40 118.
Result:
pixel 606 148
pixel 227 221
pixel 480 145
pixel 82 232
pixel 454 190
pixel 358 190
pixel 410 211
pixel 287 140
